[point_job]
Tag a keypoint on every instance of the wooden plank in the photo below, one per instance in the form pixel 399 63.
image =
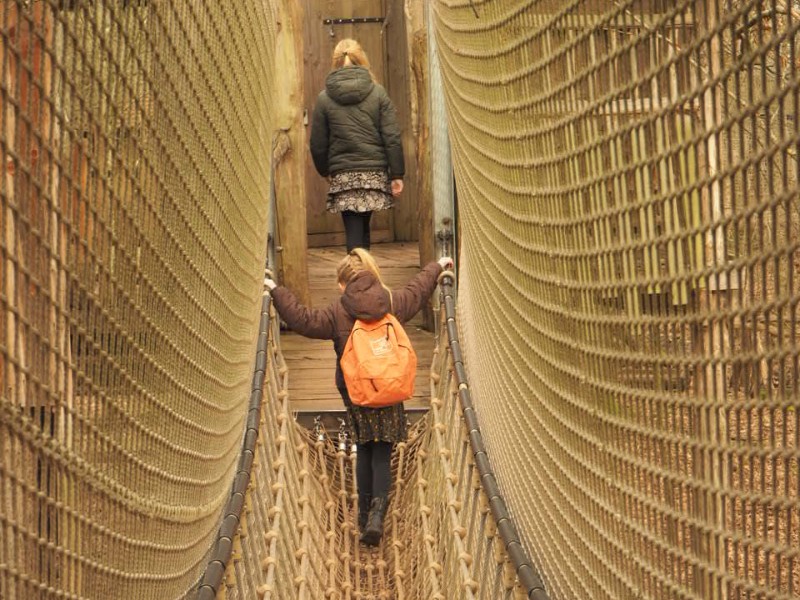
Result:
pixel 312 363
pixel 379 232
pixel 323 405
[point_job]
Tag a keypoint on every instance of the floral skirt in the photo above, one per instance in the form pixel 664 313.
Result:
pixel 387 424
pixel 359 191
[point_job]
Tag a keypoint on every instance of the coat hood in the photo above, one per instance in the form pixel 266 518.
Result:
pixel 364 298
pixel 349 85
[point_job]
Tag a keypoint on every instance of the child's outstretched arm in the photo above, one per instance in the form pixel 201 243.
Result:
pixel 408 300
pixel 313 323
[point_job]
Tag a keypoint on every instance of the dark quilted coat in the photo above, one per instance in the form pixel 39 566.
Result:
pixel 354 126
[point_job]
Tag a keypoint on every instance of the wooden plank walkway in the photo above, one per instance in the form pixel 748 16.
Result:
pixel 312 363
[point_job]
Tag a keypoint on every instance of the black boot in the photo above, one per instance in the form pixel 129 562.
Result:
pixel 374 529
pixel 364 501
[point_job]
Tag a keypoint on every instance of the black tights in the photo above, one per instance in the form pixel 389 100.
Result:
pixel 356 229
pixel 373 469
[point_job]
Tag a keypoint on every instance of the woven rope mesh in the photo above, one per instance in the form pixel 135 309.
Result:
pixel 627 181
pixel 627 177
pixel 135 138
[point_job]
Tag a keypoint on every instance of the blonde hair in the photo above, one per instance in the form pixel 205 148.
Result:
pixel 349 52
pixel 356 261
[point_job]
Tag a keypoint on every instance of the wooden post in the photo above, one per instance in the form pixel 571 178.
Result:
pixel 69 528
pixel 712 335
pixel 60 374
pixel 11 549
pixel 417 35
pixel 16 381
pixel 290 196
pixel 395 34
pixel 27 135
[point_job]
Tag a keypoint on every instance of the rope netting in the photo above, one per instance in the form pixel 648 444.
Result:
pixel 133 216
pixel 627 177
pixel 136 140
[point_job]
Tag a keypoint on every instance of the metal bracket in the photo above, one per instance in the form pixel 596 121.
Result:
pixel 352 21
pixel 319 429
pixel 445 237
pixel 343 434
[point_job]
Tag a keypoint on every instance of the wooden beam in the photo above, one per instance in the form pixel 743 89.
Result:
pixel 417 35
pixel 400 90
pixel 290 151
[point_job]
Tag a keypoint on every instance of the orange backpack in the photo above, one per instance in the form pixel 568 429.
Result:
pixel 378 363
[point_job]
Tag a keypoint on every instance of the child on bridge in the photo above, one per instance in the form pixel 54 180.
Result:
pixel 375 430
pixel 355 142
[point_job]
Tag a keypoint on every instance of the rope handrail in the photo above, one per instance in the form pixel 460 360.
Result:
pixel 528 577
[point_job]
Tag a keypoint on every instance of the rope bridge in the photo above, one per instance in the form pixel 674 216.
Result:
pixel 627 176
pixel 298 538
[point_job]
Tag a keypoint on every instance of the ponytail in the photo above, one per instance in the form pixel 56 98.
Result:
pixel 349 52
pixel 356 261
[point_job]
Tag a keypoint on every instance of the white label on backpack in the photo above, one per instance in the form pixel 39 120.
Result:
pixel 380 346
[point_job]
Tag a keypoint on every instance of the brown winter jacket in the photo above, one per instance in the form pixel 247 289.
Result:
pixel 363 298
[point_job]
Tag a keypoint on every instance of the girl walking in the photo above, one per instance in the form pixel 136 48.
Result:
pixel 375 430
pixel 355 142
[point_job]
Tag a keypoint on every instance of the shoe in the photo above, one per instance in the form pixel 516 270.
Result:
pixel 364 502
pixel 374 529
